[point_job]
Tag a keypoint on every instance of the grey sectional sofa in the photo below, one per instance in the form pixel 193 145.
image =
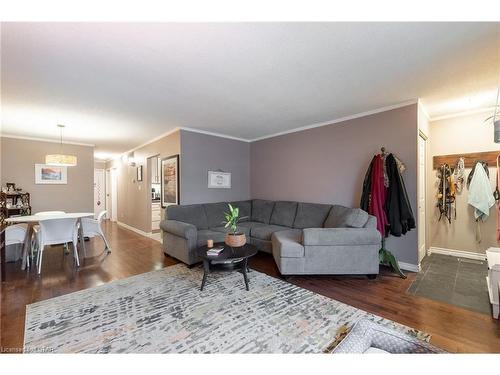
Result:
pixel 304 238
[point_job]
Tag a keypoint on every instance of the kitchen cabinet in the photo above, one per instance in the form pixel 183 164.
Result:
pixel 155 215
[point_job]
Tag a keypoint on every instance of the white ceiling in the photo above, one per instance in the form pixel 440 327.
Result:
pixel 117 85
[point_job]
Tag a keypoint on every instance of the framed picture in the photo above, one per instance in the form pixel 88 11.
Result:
pixel 50 174
pixel 139 173
pixel 219 180
pixel 170 185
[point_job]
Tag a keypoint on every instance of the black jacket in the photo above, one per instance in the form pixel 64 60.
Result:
pixel 367 186
pixel 397 204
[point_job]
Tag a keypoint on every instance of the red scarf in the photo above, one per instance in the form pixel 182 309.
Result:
pixel 378 194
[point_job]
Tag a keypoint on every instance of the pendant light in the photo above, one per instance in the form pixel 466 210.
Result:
pixel 61 159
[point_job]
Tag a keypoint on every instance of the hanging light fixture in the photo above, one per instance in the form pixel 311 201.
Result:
pixel 61 159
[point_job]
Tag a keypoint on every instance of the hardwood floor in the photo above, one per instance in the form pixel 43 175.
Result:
pixel 452 328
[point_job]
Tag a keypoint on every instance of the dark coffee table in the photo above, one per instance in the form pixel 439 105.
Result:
pixel 230 259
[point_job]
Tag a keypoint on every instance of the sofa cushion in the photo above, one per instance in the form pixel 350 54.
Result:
pixel 284 213
pixel 245 209
pixel 346 217
pixel 264 232
pixel 288 243
pixel 192 214
pixel 207 234
pixel 262 210
pixel 340 236
pixel 215 213
pixel 311 215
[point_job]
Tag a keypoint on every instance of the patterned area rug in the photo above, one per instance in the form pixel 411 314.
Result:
pixel 165 312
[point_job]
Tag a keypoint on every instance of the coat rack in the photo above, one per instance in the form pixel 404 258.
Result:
pixel 469 159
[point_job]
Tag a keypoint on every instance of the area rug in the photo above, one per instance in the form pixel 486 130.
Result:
pixel 164 311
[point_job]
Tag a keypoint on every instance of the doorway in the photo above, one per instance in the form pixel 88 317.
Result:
pixel 422 199
pixel 111 194
pixel 154 166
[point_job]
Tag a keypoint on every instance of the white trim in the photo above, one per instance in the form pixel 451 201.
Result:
pixel 456 253
pixel 460 114
pixel 133 229
pixel 424 111
pixel 409 267
pixel 166 134
pixel 172 131
pixel 45 140
pixel 341 119
pixel 215 134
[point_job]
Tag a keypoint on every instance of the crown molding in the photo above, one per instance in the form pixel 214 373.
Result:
pixel 215 134
pixel 45 140
pixel 341 119
pixel 461 114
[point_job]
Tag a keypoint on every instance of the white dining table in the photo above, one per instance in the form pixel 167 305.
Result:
pixel 32 220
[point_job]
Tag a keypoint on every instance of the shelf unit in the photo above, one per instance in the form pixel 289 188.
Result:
pixel 20 205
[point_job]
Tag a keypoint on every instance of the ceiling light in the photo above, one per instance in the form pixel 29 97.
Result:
pixel 62 160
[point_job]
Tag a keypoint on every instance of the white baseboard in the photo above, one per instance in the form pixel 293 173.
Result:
pixel 456 253
pixel 133 229
pixel 409 267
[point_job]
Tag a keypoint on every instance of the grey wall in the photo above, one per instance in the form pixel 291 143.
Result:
pixel 18 159
pixel 201 153
pixel 328 164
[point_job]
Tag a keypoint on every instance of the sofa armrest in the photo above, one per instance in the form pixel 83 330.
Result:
pixel 179 228
pixel 371 223
pixel 341 236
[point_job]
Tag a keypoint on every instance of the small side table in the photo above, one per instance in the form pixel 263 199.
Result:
pixel 230 259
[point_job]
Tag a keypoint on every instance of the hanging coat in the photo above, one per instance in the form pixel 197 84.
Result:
pixel 397 205
pixel 480 194
pixel 378 194
pixel 367 185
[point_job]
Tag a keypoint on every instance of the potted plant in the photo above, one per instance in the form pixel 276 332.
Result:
pixel 233 238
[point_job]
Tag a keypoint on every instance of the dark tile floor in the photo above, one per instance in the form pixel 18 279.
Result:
pixel 453 280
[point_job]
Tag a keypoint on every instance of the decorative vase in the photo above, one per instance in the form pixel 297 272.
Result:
pixel 235 240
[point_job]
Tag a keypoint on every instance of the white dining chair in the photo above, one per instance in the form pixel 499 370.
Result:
pixel 36 228
pixel 15 235
pixel 57 231
pixel 93 227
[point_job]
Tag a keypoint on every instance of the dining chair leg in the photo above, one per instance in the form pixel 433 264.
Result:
pixel 107 248
pixel 40 255
pixel 27 243
pixel 75 251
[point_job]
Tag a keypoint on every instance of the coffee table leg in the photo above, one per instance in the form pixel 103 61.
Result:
pixel 206 270
pixel 244 271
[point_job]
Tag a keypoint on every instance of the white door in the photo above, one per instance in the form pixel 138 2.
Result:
pixel 421 196
pixel 99 191
pixel 114 195
pixel 108 193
